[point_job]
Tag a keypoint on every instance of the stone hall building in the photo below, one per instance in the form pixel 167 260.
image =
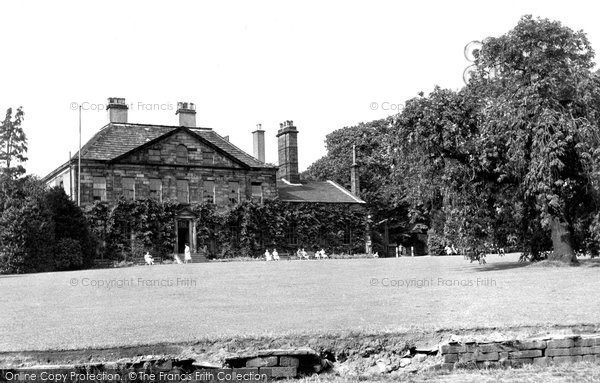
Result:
pixel 188 164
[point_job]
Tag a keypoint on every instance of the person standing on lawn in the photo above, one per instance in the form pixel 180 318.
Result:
pixel 187 254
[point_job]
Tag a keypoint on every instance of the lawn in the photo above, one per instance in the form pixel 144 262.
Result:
pixel 182 303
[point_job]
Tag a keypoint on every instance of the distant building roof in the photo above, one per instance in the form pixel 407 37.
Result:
pixel 323 191
pixel 117 139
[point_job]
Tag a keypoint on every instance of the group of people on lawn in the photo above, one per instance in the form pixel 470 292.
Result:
pixel 300 254
pixel 187 256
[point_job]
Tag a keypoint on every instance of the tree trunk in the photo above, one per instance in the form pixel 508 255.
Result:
pixel 562 247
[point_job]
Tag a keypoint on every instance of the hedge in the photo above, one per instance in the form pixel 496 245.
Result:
pixel 130 228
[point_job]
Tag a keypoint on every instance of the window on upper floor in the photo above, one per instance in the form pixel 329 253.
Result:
pixel 128 185
pixel 183 191
pixel 99 189
pixel 156 189
pixel 182 154
pixel 208 192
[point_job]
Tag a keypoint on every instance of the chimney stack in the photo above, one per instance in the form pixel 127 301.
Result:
pixel 287 140
pixel 117 110
pixel 187 114
pixel 354 175
pixel 258 137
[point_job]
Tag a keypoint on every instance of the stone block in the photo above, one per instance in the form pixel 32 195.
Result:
pixel 529 344
pixel 452 348
pixel 491 347
pixel 483 356
pixel 472 365
pixel 268 361
pixel 566 359
pixel 558 352
pixel 596 350
pixel 466 357
pixel 447 366
pixel 525 354
pixel 585 342
pixel 503 355
pixel 543 361
pixel 450 358
pixel 289 361
pixel 590 358
pixel 561 343
pixel 523 361
pixel 581 350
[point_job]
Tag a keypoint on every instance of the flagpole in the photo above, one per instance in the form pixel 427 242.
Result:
pixel 79 163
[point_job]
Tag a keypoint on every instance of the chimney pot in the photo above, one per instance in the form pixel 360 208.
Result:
pixel 187 114
pixel 117 110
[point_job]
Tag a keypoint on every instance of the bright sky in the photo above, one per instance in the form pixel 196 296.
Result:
pixel 321 64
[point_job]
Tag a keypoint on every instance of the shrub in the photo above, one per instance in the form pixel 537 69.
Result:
pixel 68 254
pixel 435 243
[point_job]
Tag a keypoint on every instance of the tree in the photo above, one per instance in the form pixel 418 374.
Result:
pixel 514 155
pixel 75 247
pixel 26 230
pixel 13 143
pixel 375 156
pixel 539 123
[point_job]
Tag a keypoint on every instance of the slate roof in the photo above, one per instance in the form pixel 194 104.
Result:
pixel 117 139
pixel 324 192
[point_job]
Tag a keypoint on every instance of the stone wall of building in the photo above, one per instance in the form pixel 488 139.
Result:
pixel 169 175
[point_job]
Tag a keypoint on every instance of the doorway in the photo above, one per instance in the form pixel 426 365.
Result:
pixel 183 235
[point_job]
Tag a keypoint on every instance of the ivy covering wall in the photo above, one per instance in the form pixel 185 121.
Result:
pixel 130 228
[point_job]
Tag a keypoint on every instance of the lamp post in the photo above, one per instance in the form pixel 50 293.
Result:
pixel 79 163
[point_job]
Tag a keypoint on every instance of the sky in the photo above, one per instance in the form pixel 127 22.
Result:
pixel 324 65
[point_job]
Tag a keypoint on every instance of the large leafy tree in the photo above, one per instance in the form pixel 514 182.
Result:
pixel 515 153
pixel 538 124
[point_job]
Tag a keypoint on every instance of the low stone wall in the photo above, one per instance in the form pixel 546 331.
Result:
pixel 516 353
pixel 280 362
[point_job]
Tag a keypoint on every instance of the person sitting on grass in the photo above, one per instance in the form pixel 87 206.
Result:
pixel 268 255
pixel 317 255
pixel 304 254
pixel 275 255
pixel 148 258
pixel 448 250
pixel 323 255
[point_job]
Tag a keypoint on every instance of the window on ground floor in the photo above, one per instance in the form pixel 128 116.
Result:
pixel 234 193
pixel 347 235
pixel 257 192
pixel 292 235
pixel 99 189
pixel 156 189
pixel 208 192
pixel 128 184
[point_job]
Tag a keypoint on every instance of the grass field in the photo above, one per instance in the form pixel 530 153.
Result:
pixel 181 303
